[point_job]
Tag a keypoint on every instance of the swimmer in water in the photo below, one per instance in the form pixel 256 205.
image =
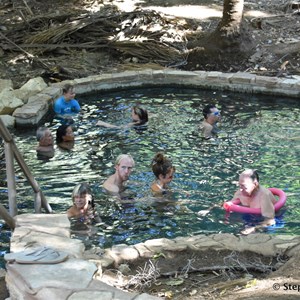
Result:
pixel 83 207
pixel 139 117
pixel 164 171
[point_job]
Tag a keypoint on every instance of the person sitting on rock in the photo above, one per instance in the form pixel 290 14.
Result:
pixel 208 127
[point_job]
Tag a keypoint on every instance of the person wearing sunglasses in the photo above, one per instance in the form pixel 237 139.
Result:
pixel 208 127
pixel 163 170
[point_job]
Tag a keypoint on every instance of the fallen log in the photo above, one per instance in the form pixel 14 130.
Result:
pixel 285 48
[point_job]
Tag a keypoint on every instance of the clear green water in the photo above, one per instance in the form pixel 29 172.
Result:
pixel 256 132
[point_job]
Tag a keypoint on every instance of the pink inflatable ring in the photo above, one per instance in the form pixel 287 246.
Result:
pixel 233 205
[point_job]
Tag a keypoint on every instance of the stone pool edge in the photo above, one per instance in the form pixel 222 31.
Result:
pixel 39 104
pixel 80 276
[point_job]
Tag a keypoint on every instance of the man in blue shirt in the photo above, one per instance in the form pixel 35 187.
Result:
pixel 66 105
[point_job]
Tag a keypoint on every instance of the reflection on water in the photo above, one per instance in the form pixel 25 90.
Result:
pixel 256 132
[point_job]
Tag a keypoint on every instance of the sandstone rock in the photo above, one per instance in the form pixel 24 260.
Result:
pixel 70 274
pixel 124 252
pixel 8 120
pixel 5 84
pixel 30 88
pixel 37 222
pixel 25 237
pixel 31 113
pixel 8 102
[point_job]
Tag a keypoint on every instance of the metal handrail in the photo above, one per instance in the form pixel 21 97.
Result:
pixel 11 152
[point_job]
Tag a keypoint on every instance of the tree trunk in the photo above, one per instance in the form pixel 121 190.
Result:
pixel 232 18
pixel 226 47
pixel 231 33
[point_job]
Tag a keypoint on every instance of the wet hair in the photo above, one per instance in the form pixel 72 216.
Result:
pixel 142 113
pixel 254 176
pixel 251 173
pixel 122 156
pixel 41 132
pixel 82 189
pixel 161 165
pixel 207 110
pixel 67 87
pixel 61 132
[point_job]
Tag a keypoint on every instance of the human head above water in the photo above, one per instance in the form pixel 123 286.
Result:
pixel 64 133
pixel 44 136
pixel 250 173
pixel 81 194
pixel 162 165
pixel 139 115
pixel 68 91
pixel 209 110
pixel 248 181
pixel 124 166
pixel 124 156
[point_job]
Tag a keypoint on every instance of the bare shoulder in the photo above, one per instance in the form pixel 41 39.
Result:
pixel 206 129
pixel 155 187
pixel 266 193
pixel 71 212
pixel 205 125
pixel 110 186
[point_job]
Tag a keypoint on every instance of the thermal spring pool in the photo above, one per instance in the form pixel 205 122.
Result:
pixel 260 132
